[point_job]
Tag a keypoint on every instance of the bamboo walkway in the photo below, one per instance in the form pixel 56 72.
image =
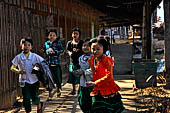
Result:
pixel 69 104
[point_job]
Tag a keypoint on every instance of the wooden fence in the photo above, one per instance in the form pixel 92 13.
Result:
pixel 17 23
pixel 14 25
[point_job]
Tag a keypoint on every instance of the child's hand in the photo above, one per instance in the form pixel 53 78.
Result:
pixel 70 54
pixel 35 65
pixel 77 72
pixel 22 72
pixel 90 83
pixel 51 50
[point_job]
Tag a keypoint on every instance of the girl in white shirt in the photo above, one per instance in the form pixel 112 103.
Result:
pixel 85 74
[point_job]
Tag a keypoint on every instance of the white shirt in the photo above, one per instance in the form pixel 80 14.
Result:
pixel 27 64
pixel 84 66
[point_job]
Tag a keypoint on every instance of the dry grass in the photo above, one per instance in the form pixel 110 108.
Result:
pixel 153 99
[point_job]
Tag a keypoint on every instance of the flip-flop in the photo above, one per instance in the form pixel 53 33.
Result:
pixel 72 93
pixel 58 94
pixel 49 98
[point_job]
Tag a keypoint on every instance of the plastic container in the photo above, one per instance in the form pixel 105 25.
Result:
pixel 144 69
pixel 22 80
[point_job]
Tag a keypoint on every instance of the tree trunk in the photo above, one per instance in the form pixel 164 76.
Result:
pixel 167 40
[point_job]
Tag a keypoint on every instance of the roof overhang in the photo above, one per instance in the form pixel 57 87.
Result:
pixel 120 12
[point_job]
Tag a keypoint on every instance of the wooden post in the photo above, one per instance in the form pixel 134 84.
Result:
pixel 111 40
pixel 37 6
pixel 65 21
pixel 22 4
pixel 148 29
pixel 49 7
pixel 146 36
pixel 133 29
pixel 144 48
pixel 167 40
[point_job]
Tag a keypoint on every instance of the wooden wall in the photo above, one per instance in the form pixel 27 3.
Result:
pixel 31 18
pixel 14 25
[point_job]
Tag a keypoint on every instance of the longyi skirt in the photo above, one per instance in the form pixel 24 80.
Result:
pixel 85 100
pixel 107 105
pixel 73 79
pixel 57 74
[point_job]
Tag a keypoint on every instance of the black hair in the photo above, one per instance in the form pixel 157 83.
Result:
pixel 107 40
pixel 52 30
pixel 101 41
pixel 103 32
pixel 76 29
pixel 87 39
pixel 28 40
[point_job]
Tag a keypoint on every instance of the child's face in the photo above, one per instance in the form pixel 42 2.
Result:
pixel 97 49
pixel 27 47
pixel 52 36
pixel 86 47
pixel 75 35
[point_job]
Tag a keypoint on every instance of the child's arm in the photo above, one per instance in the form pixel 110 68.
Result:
pixel 78 72
pixel 46 48
pixel 14 69
pixel 68 48
pixel 102 80
pixel 109 73
pixel 60 48
pixel 88 72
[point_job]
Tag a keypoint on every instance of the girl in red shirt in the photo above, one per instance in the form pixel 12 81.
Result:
pixel 106 98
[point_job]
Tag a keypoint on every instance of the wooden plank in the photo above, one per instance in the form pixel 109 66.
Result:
pixel 1 33
pixel 167 40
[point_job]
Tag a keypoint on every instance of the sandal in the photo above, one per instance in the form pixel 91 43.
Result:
pixel 58 94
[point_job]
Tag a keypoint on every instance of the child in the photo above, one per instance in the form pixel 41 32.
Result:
pixel 85 74
pixel 106 98
pixel 53 48
pixel 25 61
pixel 108 51
pixel 74 50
